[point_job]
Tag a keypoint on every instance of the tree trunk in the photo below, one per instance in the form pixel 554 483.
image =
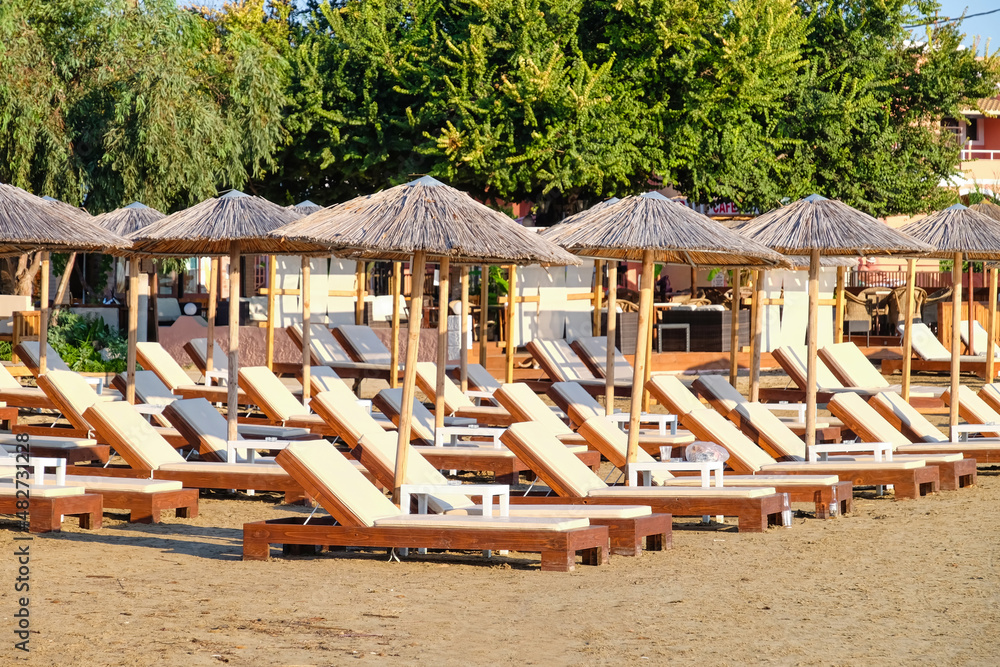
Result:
pixel 24 278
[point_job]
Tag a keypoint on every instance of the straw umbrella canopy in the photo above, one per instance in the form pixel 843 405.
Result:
pixel 422 219
pixel 232 224
pixel 29 223
pixel 129 219
pixel 817 226
pixel 990 209
pixel 957 233
pixel 651 228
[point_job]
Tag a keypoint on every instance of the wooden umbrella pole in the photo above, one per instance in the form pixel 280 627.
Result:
pixel 757 338
pixel 213 298
pixel 154 300
pixel 410 372
pixel 43 314
pixel 609 379
pixel 508 375
pixel 911 278
pixel 734 331
pixel 306 332
pixel 598 295
pixel 956 322
pixel 359 304
pixel 838 324
pixel 648 370
pixel 397 287
pixel 442 342
pixel 991 327
pixel 484 306
pixel 812 348
pixel 638 377
pixel 971 315
pixel 64 280
pixel 133 328
pixel 463 348
pixel 272 278
pixel 232 406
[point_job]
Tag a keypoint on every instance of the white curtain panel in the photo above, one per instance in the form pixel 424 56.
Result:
pixel 827 290
pixel 578 313
pixel 289 276
pixel 341 277
pixel 771 333
pixel 795 311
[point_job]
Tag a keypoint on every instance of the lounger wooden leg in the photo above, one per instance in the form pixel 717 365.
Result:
pixel 255 544
pixel 43 517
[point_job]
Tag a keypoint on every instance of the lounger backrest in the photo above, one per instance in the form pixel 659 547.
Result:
pixel 558 360
pixel 612 442
pixel 149 388
pixel 594 351
pixel 973 409
pixel 575 401
pixel 8 381
pixel 862 418
pixel 71 394
pixel 382 446
pixel 28 351
pixel 421 424
pixel 560 468
pixel 851 366
pixel 792 359
pixel 339 408
pixel 454 399
pixel 980 338
pixel 914 425
pixel 723 396
pixel 364 343
pixel 335 483
pixel 323 347
pixel 744 455
pixel 925 343
pixel 134 438
pixel 198 419
pixel 154 357
pixel 525 405
pixel 265 389
pixel 990 393
pixel 197 349
pixel 673 395
pixel 480 379
pixel 324 378
pixel 777 438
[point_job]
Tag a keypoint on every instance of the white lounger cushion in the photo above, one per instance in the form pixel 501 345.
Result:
pixel 422 422
pixel 165 366
pixel 798 354
pixel 596 349
pixel 563 360
pixel 581 405
pixel 324 347
pixel 44 491
pixel 582 511
pixel 49 441
pixel 981 336
pixel 682 401
pixel 480 379
pixel 579 480
pixel 215 467
pixel 353 421
pixel 142 437
pixel 776 432
pixel 821 466
pixel 112 484
pixel 625 492
pixel 53 362
pixel 761 480
pixel 457 521
pixel 848 360
pixel 724 432
pixel 280 403
pixel 529 404
pixel 612 442
pixel 74 390
pixel 858 408
pixel 366 343
pixel 324 378
pixel 220 360
pixel 454 399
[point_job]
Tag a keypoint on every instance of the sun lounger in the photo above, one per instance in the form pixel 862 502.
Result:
pixel 277 402
pixel 974 410
pixel 980 340
pixel 853 369
pixel 324 350
pixel 956 470
pixel 362 344
pixel 197 349
pixel 932 356
pixel 593 352
pixel 580 406
pixel 321 378
pixel 153 357
pixel 148 455
pixel 561 364
pixel 572 481
pixel 456 403
pixel 13 394
pixel 367 518
pixel 480 379
pixel 827 492
pixel 29 352
pixel 627 525
pixel 74 450
pixel 49 504
pixel 764 431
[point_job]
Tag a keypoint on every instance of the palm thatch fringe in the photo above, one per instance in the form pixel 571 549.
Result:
pixel 958 229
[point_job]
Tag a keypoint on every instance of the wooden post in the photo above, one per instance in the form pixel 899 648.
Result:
pixel 991 327
pixel 359 305
pixel 508 375
pixel 609 379
pixel 64 280
pixel 410 373
pixel 442 346
pixel 811 347
pixel 272 279
pixel 133 328
pixel 648 371
pixel 397 288
pixel 598 294
pixel 911 279
pixel 154 300
pixel 43 314
pixel 213 298
pixel 956 321
pixel 971 315
pixel 463 349
pixel 838 323
pixel 638 377
pixel 306 332
pixel 232 406
pixel 734 331
pixel 757 339
pixel 484 307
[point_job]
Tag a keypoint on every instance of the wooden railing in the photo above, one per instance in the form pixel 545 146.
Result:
pixel 929 280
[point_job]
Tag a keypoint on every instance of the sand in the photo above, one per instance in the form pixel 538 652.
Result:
pixel 907 581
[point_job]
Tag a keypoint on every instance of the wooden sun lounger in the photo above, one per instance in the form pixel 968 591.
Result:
pixel 561 364
pixel 324 350
pixel 593 352
pixel 321 378
pixel 573 482
pixel 456 403
pixel 277 402
pixel 930 356
pixel 153 357
pixel 49 504
pixel 367 518
pixel 197 350
pixel 74 450
pixel 974 410
pixel 869 426
pixel 627 526
pixel 853 369
pixel 13 394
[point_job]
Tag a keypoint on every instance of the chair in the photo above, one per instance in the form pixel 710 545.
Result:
pixel 593 351
pixel 580 406
pixel 573 482
pixel 877 300
pixel 857 318
pixel 456 403
pixel 154 357
pixel 557 359
pixel 897 305
pixel 324 350
pixel 277 402
pixel 849 364
pixel 362 344
pixel 933 356
pixel 368 518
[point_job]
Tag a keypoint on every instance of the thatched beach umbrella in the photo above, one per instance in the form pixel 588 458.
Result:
pixel 76 213
pixel 651 228
pixel 30 223
pixel 988 208
pixel 232 224
pixel 817 226
pixel 956 233
pixel 422 219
